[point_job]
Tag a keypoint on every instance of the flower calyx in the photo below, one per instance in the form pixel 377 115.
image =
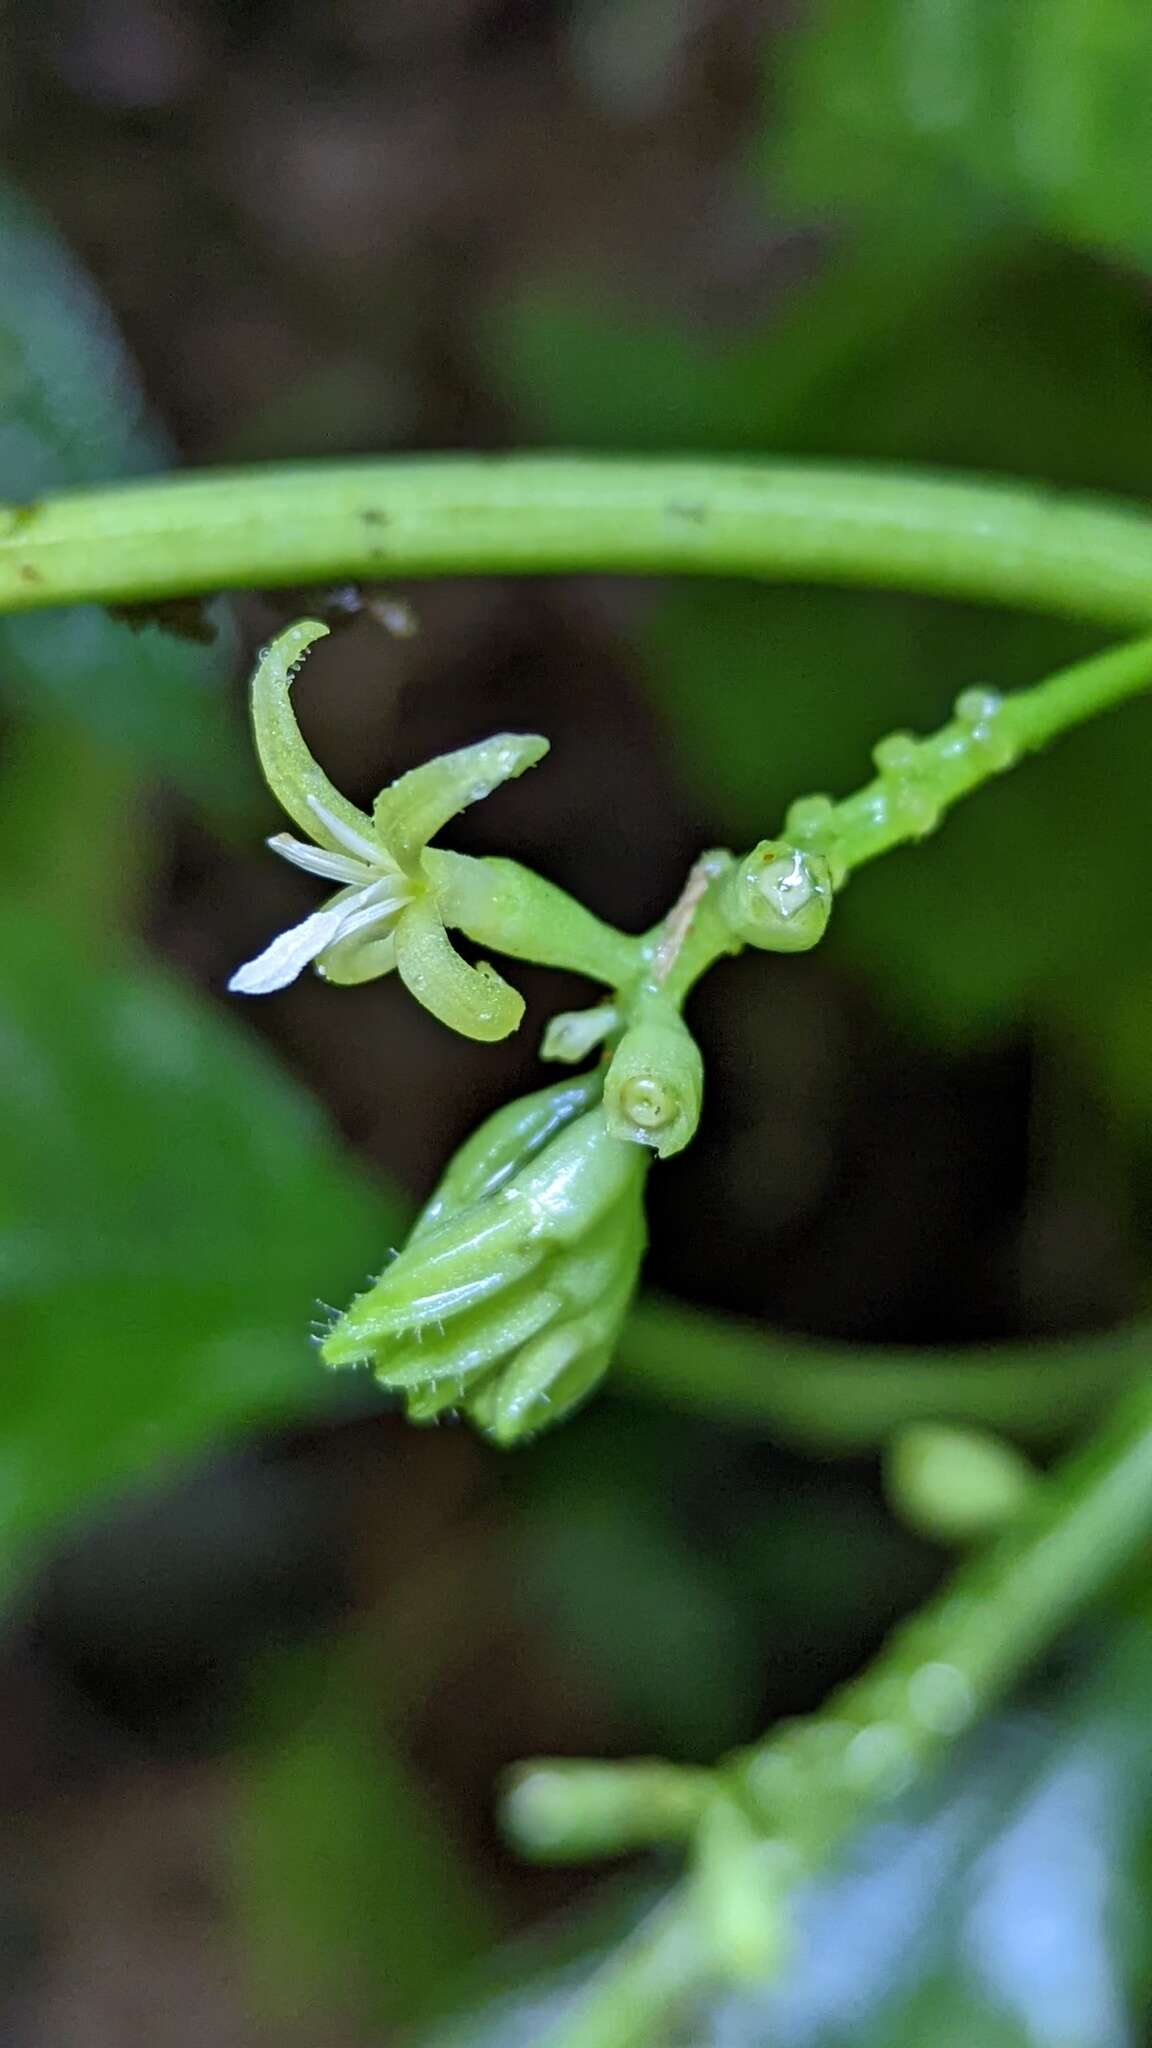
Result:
pixel 386 912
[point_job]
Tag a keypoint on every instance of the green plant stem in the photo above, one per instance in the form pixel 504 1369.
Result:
pixel 811 1783
pixel 852 1397
pixel 947 766
pixel 1003 543
pixel 896 808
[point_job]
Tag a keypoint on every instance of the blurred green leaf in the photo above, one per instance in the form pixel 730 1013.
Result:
pixel 171 1209
pixel 587 371
pixel 1041 108
pixel 351 1899
pixel 662 1628
pixel 71 412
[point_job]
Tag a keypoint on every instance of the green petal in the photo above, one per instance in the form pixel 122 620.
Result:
pixel 412 810
pixel 295 779
pixel 472 1000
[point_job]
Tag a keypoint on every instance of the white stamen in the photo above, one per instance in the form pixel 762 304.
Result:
pixel 288 954
pixel 391 892
pixel 362 920
pixel 316 860
pixel 356 842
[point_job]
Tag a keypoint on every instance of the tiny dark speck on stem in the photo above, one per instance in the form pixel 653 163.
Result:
pixel 21 516
pixel 372 516
pixel 689 511
pixel 28 573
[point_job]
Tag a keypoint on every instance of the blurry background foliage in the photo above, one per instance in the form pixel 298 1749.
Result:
pixel 906 230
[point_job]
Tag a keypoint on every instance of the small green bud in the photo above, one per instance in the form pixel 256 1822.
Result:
pixel 573 1034
pixel 655 1083
pixel 561 1811
pixel 779 897
pixel 955 1485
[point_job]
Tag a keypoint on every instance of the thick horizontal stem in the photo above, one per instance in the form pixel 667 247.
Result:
pixel 536 514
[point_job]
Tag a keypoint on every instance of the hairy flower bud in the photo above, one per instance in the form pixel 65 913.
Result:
pixel 507 1299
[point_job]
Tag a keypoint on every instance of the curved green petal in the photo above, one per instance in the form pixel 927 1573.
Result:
pixel 471 1000
pixel 296 780
pixel 412 810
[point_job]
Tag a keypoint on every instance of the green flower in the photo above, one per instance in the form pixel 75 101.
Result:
pixel 508 1298
pixel 387 913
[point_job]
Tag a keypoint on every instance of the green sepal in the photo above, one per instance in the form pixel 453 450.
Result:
pixel 446 1369
pixel 779 897
pixel 655 1083
pixel 296 780
pixel 577 1179
pixel 472 1256
pixel 546 1383
pixel 472 1344
pixel 412 809
pixel 507 1140
pixel 555 1372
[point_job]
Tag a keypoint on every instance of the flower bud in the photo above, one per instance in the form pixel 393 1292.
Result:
pixel 955 1485
pixel 779 898
pixel 655 1083
pixel 509 1294
pixel 573 1034
pixel 567 1810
